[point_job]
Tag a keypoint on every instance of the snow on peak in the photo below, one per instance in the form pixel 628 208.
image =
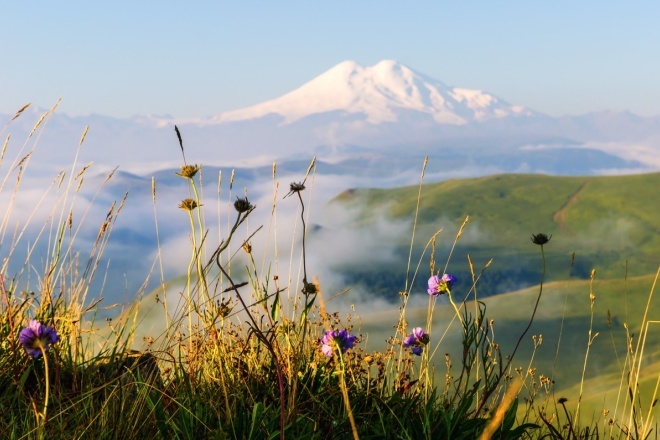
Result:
pixel 379 93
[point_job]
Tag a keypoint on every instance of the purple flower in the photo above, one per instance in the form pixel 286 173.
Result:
pixel 341 339
pixel 438 286
pixel 416 340
pixel 36 336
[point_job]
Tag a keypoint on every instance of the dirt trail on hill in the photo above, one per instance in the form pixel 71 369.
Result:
pixel 559 216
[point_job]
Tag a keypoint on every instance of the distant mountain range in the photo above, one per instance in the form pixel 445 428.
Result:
pixel 380 114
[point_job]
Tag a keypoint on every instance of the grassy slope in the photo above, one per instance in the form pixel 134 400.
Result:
pixel 611 223
pixel 563 319
pixel 604 220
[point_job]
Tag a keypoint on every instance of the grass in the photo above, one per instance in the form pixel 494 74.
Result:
pixel 233 348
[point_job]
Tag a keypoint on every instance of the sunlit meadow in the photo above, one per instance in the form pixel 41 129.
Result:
pixel 242 350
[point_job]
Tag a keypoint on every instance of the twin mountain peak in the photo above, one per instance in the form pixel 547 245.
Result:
pixel 377 94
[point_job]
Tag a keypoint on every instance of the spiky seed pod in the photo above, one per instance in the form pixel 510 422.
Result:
pixel 296 187
pixel 242 204
pixel 540 239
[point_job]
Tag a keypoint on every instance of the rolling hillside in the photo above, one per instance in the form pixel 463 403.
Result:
pixel 611 223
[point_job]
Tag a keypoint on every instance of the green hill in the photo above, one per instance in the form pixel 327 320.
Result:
pixel 609 223
pixel 605 221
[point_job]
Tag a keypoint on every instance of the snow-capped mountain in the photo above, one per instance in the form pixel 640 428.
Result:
pixel 379 93
pixel 385 110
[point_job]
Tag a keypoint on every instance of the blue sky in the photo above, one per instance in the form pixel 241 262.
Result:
pixel 123 58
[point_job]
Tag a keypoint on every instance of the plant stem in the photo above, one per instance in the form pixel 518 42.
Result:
pixel 344 393
pixel 260 334
pixel 529 324
pixel 44 415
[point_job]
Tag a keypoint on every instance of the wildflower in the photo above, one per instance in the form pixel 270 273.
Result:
pixel 340 339
pixel 442 285
pixel 540 239
pixel 416 340
pixel 36 336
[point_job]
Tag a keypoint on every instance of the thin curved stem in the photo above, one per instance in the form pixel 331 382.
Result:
pixel 529 325
pixel 267 343
pixel 44 414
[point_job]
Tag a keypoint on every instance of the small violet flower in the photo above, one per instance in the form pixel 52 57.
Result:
pixel 36 336
pixel 340 339
pixel 442 285
pixel 416 340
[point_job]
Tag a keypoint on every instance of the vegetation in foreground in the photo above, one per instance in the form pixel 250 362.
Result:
pixel 247 355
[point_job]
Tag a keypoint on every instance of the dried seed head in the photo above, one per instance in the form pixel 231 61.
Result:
pixel 540 239
pixel 188 171
pixel 242 204
pixel 188 204
pixel 224 308
pixel 294 188
pixel 309 288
